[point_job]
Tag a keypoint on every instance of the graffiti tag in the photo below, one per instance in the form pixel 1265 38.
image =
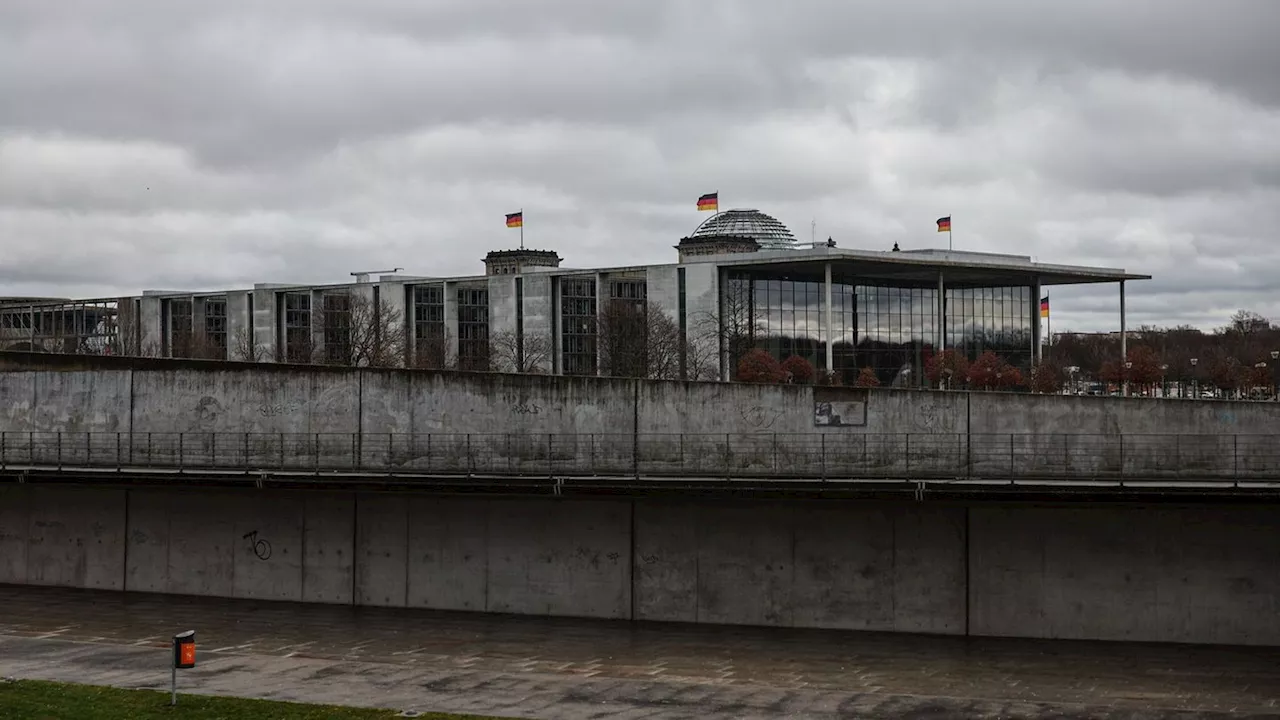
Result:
pixel 259 546
pixel 277 410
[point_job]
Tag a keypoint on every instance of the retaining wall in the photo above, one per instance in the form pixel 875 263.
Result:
pixel 1111 572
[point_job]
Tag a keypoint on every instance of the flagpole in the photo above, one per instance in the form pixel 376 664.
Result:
pixel 950 245
pixel 521 228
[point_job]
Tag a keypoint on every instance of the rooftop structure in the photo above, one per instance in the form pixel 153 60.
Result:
pixel 750 224
pixel 741 282
pixel 514 262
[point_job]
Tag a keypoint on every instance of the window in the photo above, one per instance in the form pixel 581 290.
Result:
pixel 215 327
pixel 429 326
pixel 298 343
pixel 473 328
pixel 182 341
pixel 337 329
pixel 578 325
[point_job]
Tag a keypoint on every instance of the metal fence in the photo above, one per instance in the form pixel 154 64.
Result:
pixel 781 456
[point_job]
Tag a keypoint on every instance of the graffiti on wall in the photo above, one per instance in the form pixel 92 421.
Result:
pixel 843 407
pixel 839 414
pixel 759 416
pixel 260 546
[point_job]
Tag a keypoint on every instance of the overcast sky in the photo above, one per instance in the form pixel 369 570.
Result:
pixel 153 144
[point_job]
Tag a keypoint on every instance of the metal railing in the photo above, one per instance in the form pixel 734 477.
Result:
pixel 725 456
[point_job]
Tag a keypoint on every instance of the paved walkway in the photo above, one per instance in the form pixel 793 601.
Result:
pixel 578 669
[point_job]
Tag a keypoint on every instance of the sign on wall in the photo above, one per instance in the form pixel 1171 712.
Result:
pixel 845 407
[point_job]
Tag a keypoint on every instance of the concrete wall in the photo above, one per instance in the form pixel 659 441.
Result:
pixel 894 431
pixel 1109 572
pixel 1198 575
pixel 1023 413
pixel 829 565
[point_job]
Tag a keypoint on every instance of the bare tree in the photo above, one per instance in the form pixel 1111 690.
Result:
pixel 126 332
pixel 431 351
pixel 620 338
pixel 195 346
pixel 1247 322
pixel 664 345
pixel 638 339
pixel 737 326
pixel 245 347
pixel 701 358
pixel 512 352
pixel 360 332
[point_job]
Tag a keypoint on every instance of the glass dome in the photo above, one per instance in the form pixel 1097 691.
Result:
pixel 764 229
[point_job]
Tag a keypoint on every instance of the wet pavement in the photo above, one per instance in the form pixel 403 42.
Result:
pixel 572 669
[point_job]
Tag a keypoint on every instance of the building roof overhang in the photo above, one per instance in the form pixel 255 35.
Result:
pixel 925 268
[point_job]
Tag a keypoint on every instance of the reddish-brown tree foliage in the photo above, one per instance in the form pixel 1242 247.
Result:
pixel 1046 378
pixel 1143 366
pixel 1227 373
pixel 1009 378
pixel 1109 372
pixel 947 368
pixel 992 372
pixel 1258 376
pixel 798 370
pixel 759 366
pixel 867 378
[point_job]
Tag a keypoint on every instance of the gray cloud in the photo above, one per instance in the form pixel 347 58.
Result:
pixel 180 146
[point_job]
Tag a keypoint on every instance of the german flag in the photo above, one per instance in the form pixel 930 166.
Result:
pixel 710 201
pixel 944 224
pixel 515 219
pixel 1044 306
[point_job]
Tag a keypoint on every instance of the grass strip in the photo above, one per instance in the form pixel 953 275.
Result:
pixel 41 700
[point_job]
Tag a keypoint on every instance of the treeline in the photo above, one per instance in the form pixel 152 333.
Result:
pixel 1242 354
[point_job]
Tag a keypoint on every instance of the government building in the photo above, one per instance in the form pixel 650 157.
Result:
pixel 741 281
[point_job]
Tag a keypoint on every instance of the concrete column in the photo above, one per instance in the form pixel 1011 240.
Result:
pixel 318 349
pixel 1124 343
pixel 150 317
pixel 268 323
pixel 450 290
pixel 411 325
pixel 238 323
pixel 828 330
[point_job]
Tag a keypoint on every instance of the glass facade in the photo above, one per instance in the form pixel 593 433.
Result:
pixel 430 348
pixel 578 325
pixel 215 326
pixel 896 330
pixel 473 328
pixel 992 318
pixel 297 345
pixel 892 329
pixel 336 326
pixel 181 337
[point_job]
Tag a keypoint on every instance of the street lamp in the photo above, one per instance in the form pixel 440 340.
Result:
pixel 1072 370
pixel 1164 384
pixel 1275 384
pixel 1195 379
pixel 1128 365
